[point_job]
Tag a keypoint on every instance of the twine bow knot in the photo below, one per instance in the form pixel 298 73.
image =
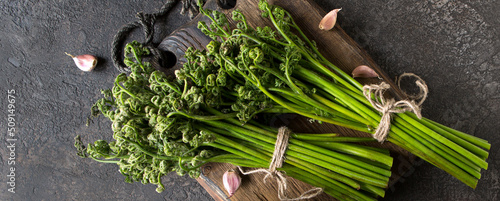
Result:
pixel 375 95
pixel 277 162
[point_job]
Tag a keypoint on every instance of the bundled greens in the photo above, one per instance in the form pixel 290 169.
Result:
pixel 206 114
pixel 162 124
pixel 286 66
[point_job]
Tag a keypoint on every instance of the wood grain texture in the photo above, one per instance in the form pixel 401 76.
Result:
pixel 335 45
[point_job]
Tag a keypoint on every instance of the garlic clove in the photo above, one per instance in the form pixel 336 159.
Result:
pixel 364 72
pixel 85 62
pixel 231 181
pixel 329 20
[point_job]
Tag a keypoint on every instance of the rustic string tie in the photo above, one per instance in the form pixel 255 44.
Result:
pixel 147 22
pixel 375 94
pixel 276 162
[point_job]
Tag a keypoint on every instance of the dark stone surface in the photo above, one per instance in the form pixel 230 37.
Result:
pixel 453 45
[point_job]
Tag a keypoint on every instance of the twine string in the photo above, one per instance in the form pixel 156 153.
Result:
pixel 375 95
pixel 277 162
pixel 146 21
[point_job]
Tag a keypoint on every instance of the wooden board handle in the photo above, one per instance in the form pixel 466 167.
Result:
pixel 188 35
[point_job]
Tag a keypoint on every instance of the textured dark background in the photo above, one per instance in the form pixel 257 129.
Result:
pixel 453 45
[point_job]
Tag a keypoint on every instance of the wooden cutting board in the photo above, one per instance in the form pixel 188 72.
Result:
pixel 335 45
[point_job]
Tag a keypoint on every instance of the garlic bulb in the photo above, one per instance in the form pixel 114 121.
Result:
pixel 85 62
pixel 329 20
pixel 364 72
pixel 231 181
